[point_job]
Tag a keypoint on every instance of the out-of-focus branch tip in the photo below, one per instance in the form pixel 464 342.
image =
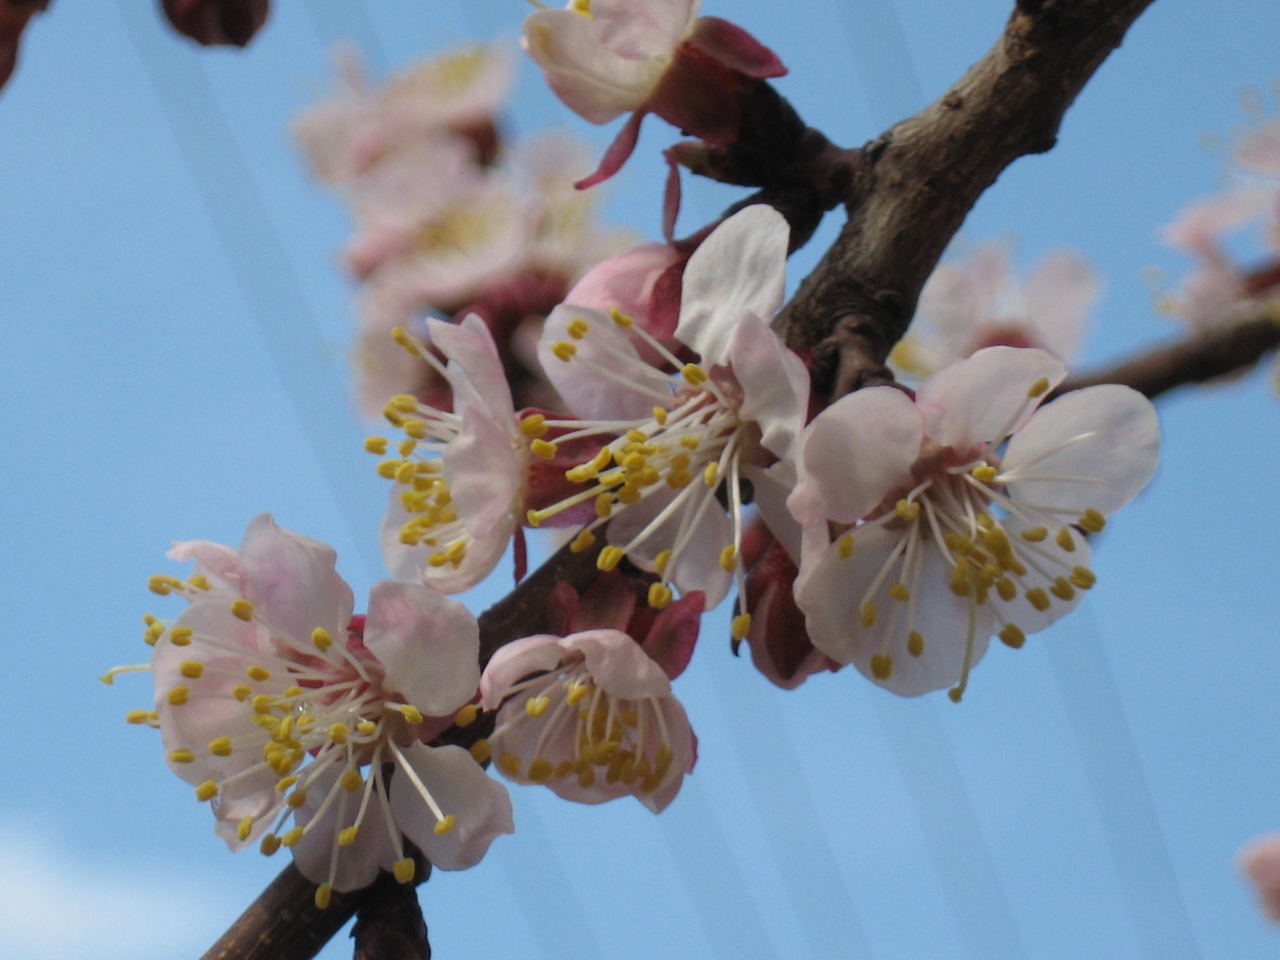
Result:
pixel 217 22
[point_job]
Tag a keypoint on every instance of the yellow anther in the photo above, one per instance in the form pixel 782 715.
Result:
pixel 387 469
pixel 1006 589
pixel 467 715
pixel 1038 598
pixel 352 781
pixel 138 716
pixel 324 893
pixel 347 836
pixel 540 770
pixel 1064 540
pixel 163 585
pixel 907 509
pixel 693 374
pixel 960 577
pixel 660 562
pixel 444 826
pixel 844 546
pixel 404 870
pixel 404 339
pixel 609 558
pixel 616 315
pixel 577 691
pixel 244 828
pixel 984 473
pixel 321 639
pixel 1039 388
pixel 729 558
pixel 220 746
pixel 199 581
pixel 543 450
pixel 604 505
pixel 679 479
pixel 915 643
pixel 1012 636
pixel 376 445
pixel 535 517
pixel 180 636
pixel 191 669
pixel 711 474
pixel 406 447
pixel 867 614
pixel 291 837
pixel 152 634
pixel 564 350
pixel 690 442
pixel 577 328
pixel 534 425
pixel 410 713
pixel 242 692
pixel 740 626
pixel 1092 521
pixel 406 470
pixel 366 727
pixel 284 783
pixel 537 706
pixel 242 609
pixel 1061 589
pixel 178 696
pixel 481 752
pixel 181 755
pixel 270 844
pixel 456 552
pixel 296 799
pixel 262 703
pixel 1035 534
pixel 258 673
pixel 900 592
pixel 339 732
pixel 509 764
pixel 583 541
pixel 881 666
pixel 1083 577
pixel 956 694
pixel 206 791
pixel 660 414
pixel 659 596
pixel 402 403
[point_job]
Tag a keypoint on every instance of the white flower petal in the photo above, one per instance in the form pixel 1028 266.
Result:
pixel 775 383
pixel 853 454
pixel 462 789
pixel 740 268
pixel 429 644
pixel 1095 448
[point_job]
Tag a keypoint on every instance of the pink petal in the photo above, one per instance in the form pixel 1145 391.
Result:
pixel 1108 436
pixel 474 359
pixel 430 645
pixel 978 402
pixel 853 454
pixel 462 789
pixel 617 153
pixel 740 268
pixel 643 29
pixel 775 383
pixel 514 661
pixel 669 642
pixel 619 665
pixel 735 48
pixel 484 473
pixel 292 581
pixel 1260 859
pixel 358 864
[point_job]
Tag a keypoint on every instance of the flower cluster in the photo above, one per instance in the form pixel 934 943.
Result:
pixel 1221 288
pixel 449 219
pixel 977 302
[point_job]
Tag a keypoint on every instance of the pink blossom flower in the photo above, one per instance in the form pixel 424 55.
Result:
pixel 958 514
pixel 458 475
pixel 604 58
pixel 977 302
pixel 1260 859
pixel 448 96
pixel 277 704
pixel 677 443
pixel 589 715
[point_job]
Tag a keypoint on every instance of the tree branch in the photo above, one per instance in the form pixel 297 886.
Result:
pixel 913 186
pixel 1198 358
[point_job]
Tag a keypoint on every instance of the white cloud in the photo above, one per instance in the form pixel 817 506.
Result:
pixel 57 905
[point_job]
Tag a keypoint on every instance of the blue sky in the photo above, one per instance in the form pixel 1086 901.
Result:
pixel 172 363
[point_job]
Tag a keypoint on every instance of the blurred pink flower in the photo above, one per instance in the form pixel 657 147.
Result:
pixel 1260 859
